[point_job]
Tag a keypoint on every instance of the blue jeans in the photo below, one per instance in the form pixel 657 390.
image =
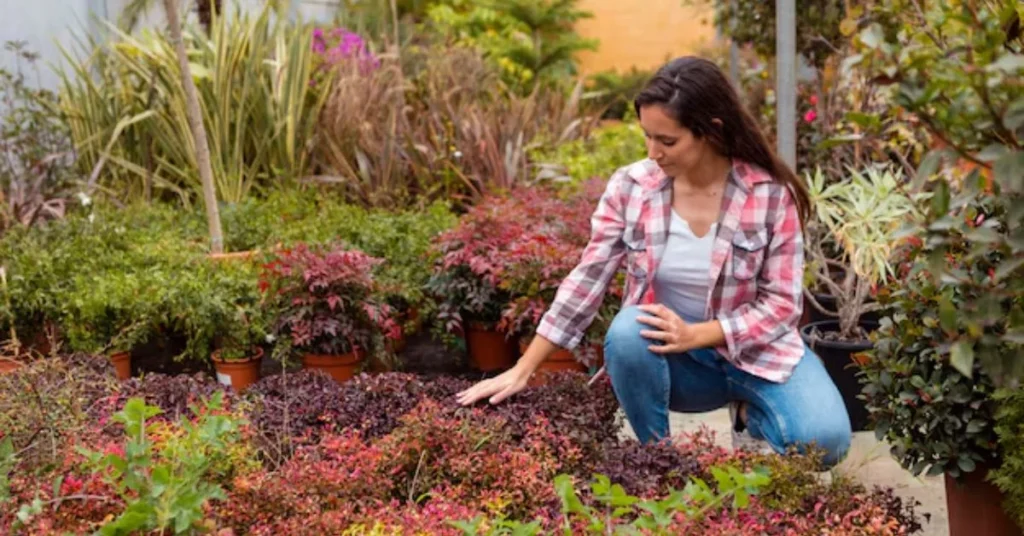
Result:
pixel 805 409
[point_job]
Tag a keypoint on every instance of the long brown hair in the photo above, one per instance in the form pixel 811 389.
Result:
pixel 695 93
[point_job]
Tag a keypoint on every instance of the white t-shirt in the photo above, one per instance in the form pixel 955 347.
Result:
pixel 681 282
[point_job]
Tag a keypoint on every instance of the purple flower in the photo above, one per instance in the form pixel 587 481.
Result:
pixel 348 46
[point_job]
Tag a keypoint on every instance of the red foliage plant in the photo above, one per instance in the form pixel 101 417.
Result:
pixel 327 300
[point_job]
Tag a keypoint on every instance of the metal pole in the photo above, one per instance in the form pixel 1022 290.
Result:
pixel 734 52
pixel 785 80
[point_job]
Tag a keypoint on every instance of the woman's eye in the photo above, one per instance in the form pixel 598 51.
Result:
pixel 668 143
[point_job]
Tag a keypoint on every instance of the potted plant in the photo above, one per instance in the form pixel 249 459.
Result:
pixel 109 313
pixel 327 307
pixel 534 268
pixel 238 353
pixel 858 218
pixel 962 82
pixel 466 281
pixel 928 397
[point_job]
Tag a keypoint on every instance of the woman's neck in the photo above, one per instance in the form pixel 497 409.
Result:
pixel 709 174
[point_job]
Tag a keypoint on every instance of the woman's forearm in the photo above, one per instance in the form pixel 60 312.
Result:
pixel 539 350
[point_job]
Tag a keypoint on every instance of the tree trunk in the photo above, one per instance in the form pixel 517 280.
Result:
pixel 194 111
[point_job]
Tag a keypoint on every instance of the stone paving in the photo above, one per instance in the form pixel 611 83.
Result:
pixel 868 462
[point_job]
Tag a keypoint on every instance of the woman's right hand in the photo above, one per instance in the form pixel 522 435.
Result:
pixel 497 388
pixel 513 380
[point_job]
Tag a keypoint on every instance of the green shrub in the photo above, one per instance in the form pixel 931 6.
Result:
pixel 599 155
pixel 957 68
pixel 935 416
pixel 529 40
pixel 401 238
pixel 166 484
pixel 49 401
pixel 1010 429
pixel 612 92
pixel 112 278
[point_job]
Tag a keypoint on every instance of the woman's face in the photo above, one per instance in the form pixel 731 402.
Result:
pixel 671 145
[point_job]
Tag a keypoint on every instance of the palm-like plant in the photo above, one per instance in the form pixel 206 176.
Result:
pixel 194 112
pixel 860 217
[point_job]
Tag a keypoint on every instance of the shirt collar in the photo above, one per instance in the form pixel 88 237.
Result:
pixel 650 176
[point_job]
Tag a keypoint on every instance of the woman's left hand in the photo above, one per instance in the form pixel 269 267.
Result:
pixel 676 335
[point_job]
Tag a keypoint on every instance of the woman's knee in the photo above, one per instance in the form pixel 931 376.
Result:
pixel 625 329
pixel 831 437
pixel 623 342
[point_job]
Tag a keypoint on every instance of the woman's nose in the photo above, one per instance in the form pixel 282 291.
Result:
pixel 653 152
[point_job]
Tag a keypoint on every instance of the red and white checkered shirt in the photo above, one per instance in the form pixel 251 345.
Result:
pixel 756 265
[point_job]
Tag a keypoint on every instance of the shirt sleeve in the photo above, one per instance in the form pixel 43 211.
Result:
pixel 580 295
pixel 777 308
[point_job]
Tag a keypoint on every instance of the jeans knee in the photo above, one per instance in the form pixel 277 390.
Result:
pixel 623 342
pixel 832 438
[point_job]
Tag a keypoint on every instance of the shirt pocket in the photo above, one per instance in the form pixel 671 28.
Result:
pixel 748 253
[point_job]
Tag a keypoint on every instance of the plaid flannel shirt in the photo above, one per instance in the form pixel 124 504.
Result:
pixel 756 265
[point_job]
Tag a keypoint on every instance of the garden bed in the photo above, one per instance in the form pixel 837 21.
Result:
pixel 383 454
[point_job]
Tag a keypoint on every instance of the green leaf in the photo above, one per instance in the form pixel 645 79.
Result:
pixel 929 166
pixel 567 493
pixel 873 36
pixel 976 426
pixel 947 314
pixel 1014 117
pixel 836 141
pixel 966 464
pixel 1009 63
pixel 961 356
pixel 992 153
pixel 985 235
pixel 864 120
pixel 1009 172
pixel 1008 267
pixel 161 480
pixel 199 72
pixel 940 199
pixel 57 482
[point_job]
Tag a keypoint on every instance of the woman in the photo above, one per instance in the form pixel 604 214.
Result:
pixel 710 228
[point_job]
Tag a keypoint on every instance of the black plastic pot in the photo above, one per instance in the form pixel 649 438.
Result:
pixel 838 359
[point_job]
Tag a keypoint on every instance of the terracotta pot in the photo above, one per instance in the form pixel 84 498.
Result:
pixel 975 507
pixel 560 361
pixel 122 364
pixel 238 374
pixel 489 350
pixel 8 365
pixel 340 367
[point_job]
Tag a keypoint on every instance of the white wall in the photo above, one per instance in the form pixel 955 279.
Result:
pixel 42 24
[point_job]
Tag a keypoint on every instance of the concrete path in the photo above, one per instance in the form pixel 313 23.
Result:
pixel 869 462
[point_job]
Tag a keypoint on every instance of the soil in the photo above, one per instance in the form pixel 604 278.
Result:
pixel 859 335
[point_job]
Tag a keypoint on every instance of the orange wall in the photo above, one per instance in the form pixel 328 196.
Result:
pixel 642 32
